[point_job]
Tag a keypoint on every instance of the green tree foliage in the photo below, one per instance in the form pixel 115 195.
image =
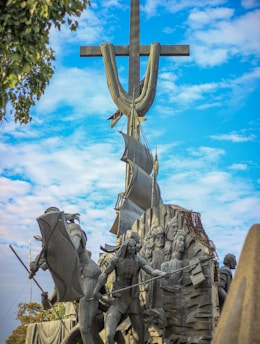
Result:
pixel 26 59
pixel 32 312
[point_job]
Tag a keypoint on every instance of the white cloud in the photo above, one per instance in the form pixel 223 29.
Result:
pixel 60 171
pixel 90 30
pixel 72 87
pixel 12 188
pixel 168 30
pixel 241 167
pixel 226 94
pixel 208 16
pixel 209 57
pixel 152 7
pixel 250 3
pixel 233 137
pixel 217 39
pixel 228 204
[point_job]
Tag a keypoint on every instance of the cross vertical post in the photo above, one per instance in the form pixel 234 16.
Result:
pixel 134 49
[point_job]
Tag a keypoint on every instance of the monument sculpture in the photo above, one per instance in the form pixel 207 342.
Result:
pixel 179 304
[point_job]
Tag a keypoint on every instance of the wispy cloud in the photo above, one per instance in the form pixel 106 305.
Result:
pixel 241 167
pixel 92 27
pixel 217 37
pixel 228 204
pixel 71 87
pixel 153 7
pixel 234 137
pixel 227 94
pixel 199 18
pixel 59 171
pixel 250 3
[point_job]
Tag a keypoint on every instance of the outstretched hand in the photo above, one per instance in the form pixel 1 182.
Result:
pixel 165 274
pixel 33 269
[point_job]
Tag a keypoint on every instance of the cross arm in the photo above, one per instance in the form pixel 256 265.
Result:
pixel 123 50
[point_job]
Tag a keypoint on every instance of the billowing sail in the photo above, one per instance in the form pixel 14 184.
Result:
pixel 138 153
pixel 141 189
pixel 127 214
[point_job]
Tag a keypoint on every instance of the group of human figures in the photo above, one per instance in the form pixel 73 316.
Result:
pixel 127 263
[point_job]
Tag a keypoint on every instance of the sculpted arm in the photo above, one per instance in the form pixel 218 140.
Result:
pixel 103 278
pixel 39 262
pixel 154 272
pixel 222 293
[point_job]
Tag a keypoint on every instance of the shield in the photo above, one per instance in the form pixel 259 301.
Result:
pixel 61 256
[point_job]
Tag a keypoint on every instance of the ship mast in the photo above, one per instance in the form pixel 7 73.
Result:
pixel 134 76
pixel 137 100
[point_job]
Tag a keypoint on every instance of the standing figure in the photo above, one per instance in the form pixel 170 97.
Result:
pixel 126 265
pixel 158 257
pixel 176 263
pixel 225 278
pixel 171 229
pixel 185 297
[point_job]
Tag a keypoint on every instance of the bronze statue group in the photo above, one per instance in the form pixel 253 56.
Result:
pixel 98 307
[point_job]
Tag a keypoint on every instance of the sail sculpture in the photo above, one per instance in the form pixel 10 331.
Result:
pixel 142 190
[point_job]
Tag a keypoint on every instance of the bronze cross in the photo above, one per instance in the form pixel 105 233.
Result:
pixel 134 50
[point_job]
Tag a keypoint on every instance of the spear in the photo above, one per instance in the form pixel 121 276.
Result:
pixel 38 285
pixel 20 260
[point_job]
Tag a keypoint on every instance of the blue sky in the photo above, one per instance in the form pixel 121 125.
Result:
pixel 204 121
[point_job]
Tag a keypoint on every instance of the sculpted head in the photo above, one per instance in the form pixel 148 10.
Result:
pixel 230 261
pixel 172 227
pixel 128 247
pixel 158 235
pixel 131 246
pixel 179 241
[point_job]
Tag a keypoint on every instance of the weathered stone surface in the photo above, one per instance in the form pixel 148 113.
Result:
pixel 240 318
pixel 187 299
